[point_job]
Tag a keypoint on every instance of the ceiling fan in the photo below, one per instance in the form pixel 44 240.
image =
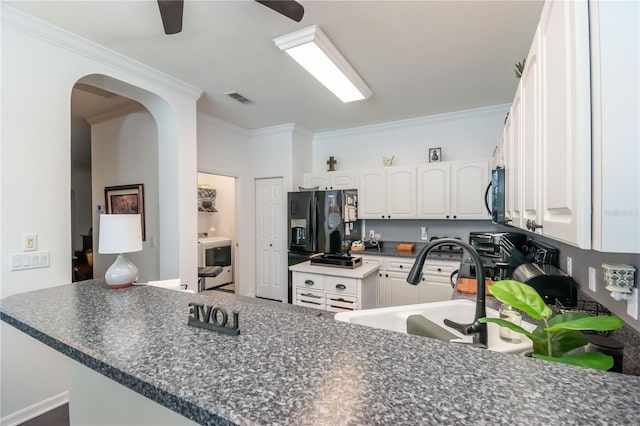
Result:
pixel 171 12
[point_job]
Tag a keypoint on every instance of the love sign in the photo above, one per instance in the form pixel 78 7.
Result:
pixel 213 318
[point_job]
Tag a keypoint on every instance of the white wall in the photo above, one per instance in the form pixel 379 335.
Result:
pixel 40 65
pixel 463 135
pixel 224 220
pixel 125 152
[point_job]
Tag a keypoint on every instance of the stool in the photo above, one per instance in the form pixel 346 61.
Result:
pixel 207 272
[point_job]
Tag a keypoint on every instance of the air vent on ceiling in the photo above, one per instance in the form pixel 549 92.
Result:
pixel 238 97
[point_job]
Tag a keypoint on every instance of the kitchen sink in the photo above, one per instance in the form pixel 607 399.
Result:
pixel 459 310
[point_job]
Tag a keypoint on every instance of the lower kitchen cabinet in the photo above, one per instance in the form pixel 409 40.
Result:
pixel 335 289
pixel 396 291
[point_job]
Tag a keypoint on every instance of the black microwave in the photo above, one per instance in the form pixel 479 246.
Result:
pixel 497 191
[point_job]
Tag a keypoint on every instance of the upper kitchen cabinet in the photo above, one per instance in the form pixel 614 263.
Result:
pixel 331 180
pixel 565 124
pixel 453 190
pixel 615 89
pixel 387 193
pixel 547 140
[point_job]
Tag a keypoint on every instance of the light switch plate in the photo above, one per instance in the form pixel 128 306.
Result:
pixel 592 278
pixel 30 242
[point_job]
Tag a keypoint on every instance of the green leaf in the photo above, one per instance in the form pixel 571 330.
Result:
pixel 522 297
pixel 566 340
pixel 598 323
pixel 596 360
pixel 508 324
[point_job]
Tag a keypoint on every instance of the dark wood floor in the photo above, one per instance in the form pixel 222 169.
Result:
pixel 56 417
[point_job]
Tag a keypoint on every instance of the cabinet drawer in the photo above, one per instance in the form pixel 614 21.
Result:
pixel 341 302
pixel 305 280
pixel 310 298
pixel 398 265
pixel 341 285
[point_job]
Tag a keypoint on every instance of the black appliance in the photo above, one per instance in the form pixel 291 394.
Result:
pixel 540 252
pixel 491 243
pixel 497 190
pixel 554 286
pixel 322 221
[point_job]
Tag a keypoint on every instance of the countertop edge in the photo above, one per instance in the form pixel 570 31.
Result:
pixel 144 388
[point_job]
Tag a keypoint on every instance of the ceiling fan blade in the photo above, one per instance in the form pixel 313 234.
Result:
pixel 289 8
pixel 171 14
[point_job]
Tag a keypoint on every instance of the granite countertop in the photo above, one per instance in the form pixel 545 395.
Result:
pixel 389 249
pixel 295 365
pixel 361 271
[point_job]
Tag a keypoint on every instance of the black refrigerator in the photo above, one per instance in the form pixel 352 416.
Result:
pixel 321 222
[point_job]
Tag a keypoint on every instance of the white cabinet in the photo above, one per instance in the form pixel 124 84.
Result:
pixel 529 91
pixel 396 291
pixel 347 179
pixel 547 137
pixel 335 289
pixel 387 193
pixel 453 190
pixel 437 280
pixel 565 109
pixel 615 35
pixel 434 183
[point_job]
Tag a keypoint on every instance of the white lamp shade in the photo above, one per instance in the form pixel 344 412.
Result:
pixel 120 233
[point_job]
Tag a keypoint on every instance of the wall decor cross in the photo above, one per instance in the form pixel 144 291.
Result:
pixel 332 164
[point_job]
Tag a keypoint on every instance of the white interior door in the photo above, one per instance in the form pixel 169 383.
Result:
pixel 271 279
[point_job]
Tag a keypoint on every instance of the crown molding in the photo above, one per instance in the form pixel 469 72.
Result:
pixel 115 113
pixel 273 130
pixel 412 122
pixel 45 31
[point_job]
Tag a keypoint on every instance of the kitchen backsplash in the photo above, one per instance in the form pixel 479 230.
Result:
pixel 410 230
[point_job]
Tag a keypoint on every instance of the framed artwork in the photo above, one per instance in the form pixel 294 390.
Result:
pixel 434 155
pixel 126 199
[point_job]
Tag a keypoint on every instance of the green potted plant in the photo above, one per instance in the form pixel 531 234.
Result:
pixel 556 335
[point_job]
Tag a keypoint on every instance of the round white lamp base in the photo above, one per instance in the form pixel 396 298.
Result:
pixel 122 273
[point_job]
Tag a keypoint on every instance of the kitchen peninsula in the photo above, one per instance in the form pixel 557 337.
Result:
pixel 294 365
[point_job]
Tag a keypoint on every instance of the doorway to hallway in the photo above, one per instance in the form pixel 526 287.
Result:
pixel 217 233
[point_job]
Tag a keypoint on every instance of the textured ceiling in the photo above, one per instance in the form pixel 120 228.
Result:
pixel 419 57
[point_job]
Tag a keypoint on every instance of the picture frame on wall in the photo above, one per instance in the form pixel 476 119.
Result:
pixel 126 199
pixel 435 155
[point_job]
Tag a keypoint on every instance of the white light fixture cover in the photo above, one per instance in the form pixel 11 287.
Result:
pixel 120 233
pixel 312 49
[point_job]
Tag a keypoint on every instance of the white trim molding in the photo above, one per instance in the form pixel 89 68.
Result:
pixel 35 410
pixel 49 33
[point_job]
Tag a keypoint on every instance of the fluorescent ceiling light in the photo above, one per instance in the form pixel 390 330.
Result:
pixel 311 48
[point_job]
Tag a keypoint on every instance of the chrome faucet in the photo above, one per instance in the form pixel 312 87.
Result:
pixel 478 330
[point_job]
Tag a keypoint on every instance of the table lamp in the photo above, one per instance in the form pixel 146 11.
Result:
pixel 120 233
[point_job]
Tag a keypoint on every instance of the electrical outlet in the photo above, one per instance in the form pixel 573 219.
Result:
pixel 378 237
pixel 592 278
pixel 569 266
pixel 632 304
pixel 372 234
pixel 423 233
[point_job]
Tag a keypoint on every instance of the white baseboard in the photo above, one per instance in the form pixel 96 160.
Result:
pixel 35 410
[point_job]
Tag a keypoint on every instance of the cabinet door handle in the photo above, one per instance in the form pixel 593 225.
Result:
pixel 309 282
pixel 439 269
pixel 447 216
pixel 389 217
pixel 400 266
pixel 455 217
pixel 383 216
pixel 386 275
pixel 341 286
